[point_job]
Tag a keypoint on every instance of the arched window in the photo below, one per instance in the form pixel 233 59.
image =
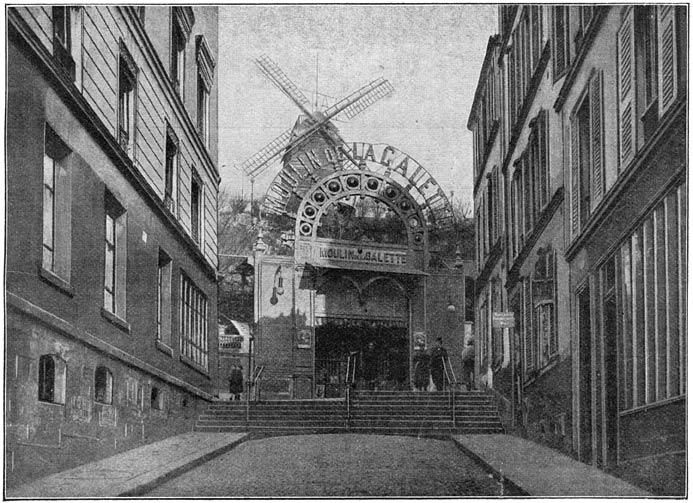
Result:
pixel 103 385
pixel 51 379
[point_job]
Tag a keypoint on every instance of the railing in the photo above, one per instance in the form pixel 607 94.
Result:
pixel 452 381
pixel 252 383
pixel 349 379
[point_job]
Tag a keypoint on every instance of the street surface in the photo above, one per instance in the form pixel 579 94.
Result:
pixel 335 465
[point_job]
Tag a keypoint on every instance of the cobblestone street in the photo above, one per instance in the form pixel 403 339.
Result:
pixel 336 465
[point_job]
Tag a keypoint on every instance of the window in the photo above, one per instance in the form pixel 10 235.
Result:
pixel 115 258
pixel 163 302
pixel 57 207
pixel 561 40
pixel 171 175
pixel 182 19
pixel 67 41
pixel 52 374
pixel 205 79
pixel 496 333
pixel 140 14
pixel 193 323
pixel 103 386
pixel 156 399
pixel 530 183
pixel 196 209
pixel 651 272
pixel 587 148
pixel 543 297
pixel 648 75
pixel 127 100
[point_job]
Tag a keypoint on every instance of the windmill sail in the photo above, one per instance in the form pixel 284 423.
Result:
pixel 277 76
pixel 360 100
pixel 252 166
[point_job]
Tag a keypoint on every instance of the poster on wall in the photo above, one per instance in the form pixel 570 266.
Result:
pixel 303 338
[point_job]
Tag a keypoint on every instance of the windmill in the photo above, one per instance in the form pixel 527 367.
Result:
pixel 316 122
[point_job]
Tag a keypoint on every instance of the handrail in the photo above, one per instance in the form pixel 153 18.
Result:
pixel 447 367
pixel 257 372
pixel 349 379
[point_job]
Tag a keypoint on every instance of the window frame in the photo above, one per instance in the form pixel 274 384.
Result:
pixel 127 100
pixel 193 324
pixel 103 388
pixel 115 247
pixel 171 170
pixel 561 62
pixel 164 309
pixel 56 376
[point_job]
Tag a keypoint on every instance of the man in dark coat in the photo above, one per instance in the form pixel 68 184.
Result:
pixel 421 371
pixel 439 358
pixel 236 382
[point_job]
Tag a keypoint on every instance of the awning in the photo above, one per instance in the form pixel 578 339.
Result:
pixel 367 267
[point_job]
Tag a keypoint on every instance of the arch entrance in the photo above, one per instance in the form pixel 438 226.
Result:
pixel 366 316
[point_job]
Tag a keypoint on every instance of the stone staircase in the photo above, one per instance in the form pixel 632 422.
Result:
pixel 384 412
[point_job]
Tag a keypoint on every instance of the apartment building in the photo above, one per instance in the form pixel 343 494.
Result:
pixel 580 132
pixel 111 255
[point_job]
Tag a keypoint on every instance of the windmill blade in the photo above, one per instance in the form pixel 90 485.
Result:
pixel 277 76
pixel 360 100
pixel 253 165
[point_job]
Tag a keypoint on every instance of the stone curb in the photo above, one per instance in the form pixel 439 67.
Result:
pixel 145 487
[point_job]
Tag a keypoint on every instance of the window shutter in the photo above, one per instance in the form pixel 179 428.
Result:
pixel 668 71
pixel 575 176
pixel 626 89
pixel 121 265
pixel 597 137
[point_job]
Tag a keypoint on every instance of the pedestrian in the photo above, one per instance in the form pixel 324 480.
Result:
pixel 370 366
pixel 438 361
pixel 236 382
pixel 468 365
pixel 421 370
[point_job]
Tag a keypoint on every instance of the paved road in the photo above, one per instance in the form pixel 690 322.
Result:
pixel 335 465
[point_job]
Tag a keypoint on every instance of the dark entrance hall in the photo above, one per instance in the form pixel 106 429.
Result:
pixel 381 353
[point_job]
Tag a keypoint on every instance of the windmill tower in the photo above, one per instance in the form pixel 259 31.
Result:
pixel 312 129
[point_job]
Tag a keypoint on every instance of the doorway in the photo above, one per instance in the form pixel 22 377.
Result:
pixel 585 375
pixel 382 356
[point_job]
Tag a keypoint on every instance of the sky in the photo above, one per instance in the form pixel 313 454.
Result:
pixel 431 54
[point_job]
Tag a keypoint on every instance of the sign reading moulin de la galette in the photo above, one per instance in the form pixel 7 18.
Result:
pixel 330 254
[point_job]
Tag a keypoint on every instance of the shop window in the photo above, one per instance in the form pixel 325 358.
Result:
pixel 57 206
pixel 52 375
pixel 103 385
pixel 193 323
pixel 651 291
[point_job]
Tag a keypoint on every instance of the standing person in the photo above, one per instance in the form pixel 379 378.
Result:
pixel 370 366
pixel 468 365
pixel 236 382
pixel 421 370
pixel 438 356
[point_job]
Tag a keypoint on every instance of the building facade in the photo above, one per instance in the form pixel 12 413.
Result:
pixel 360 288
pixel 111 257
pixel 579 122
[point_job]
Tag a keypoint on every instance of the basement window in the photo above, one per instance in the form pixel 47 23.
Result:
pixel 51 379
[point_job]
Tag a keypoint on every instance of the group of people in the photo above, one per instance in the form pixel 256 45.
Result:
pixel 430 372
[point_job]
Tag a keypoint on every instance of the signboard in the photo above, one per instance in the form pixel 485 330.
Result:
pixel 234 337
pixel 504 320
pixel 337 253
pixel 230 343
pixel 303 338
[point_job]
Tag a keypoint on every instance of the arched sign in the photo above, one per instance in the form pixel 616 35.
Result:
pixel 306 167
